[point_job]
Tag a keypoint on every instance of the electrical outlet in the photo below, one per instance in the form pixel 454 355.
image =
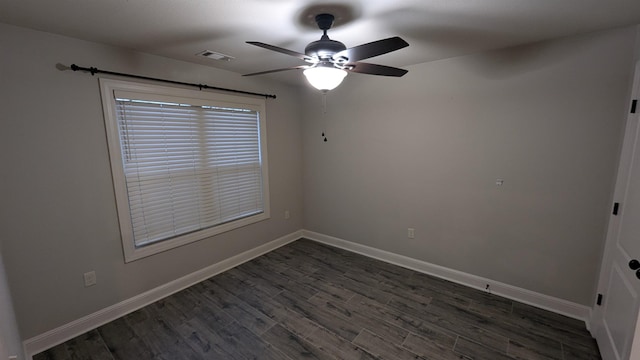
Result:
pixel 287 214
pixel 89 278
pixel 411 233
pixel 13 357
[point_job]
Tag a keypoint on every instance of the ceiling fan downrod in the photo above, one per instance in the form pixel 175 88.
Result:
pixel 324 48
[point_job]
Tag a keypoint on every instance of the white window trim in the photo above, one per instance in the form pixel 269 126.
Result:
pixel 131 252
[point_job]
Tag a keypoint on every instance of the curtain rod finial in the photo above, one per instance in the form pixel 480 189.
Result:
pixel 62 67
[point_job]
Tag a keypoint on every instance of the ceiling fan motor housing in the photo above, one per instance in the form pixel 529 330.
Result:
pixel 324 48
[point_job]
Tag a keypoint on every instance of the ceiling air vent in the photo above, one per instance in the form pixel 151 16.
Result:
pixel 215 55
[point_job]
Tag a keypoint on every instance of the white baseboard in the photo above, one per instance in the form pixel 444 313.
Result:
pixel 533 298
pixel 68 331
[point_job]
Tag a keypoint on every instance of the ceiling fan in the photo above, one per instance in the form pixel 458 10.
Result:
pixel 330 60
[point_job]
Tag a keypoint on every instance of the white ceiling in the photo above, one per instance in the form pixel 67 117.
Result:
pixel 435 29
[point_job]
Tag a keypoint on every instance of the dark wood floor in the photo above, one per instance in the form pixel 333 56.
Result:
pixel 311 301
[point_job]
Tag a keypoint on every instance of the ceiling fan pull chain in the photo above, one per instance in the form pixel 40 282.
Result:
pixel 324 113
pixel 324 103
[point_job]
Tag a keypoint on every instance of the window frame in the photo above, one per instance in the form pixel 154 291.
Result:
pixel 107 89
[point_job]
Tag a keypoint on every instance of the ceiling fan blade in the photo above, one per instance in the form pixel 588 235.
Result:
pixel 371 49
pixel 281 50
pixel 278 70
pixel 375 69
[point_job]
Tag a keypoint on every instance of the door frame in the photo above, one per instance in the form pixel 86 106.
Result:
pixel 623 172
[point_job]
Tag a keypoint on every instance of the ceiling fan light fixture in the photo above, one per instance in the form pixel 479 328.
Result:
pixel 324 78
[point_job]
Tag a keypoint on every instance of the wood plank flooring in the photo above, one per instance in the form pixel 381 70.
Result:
pixel 311 301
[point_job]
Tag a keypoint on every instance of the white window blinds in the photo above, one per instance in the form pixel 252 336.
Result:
pixel 187 166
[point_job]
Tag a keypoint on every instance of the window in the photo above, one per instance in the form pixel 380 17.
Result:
pixel 186 164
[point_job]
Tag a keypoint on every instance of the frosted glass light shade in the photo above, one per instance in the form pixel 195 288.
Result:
pixel 324 78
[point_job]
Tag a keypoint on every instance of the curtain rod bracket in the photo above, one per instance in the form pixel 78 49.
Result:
pixel 94 70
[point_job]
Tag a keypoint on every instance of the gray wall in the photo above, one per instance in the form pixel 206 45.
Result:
pixel 58 214
pixel 424 151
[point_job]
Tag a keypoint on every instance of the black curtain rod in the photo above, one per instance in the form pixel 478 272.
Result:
pixel 94 71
